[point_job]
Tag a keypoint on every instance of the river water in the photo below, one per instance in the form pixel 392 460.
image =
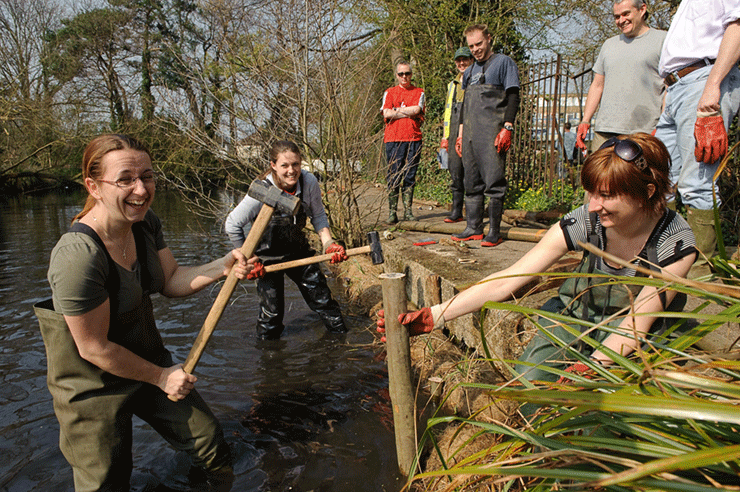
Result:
pixel 309 412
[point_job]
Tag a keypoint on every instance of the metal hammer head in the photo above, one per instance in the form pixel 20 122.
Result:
pixel 274 197
pixel 376 251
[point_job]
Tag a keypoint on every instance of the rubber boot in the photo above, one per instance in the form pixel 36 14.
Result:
pixel 408 201
pixel 495 211
pixel 702 223
pixel 458 198
pixel 474 229
pixel 392 204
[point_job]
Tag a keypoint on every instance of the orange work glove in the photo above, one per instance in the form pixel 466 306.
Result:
pixel 458 146
pixel 416 322
pixel 258 271
pixel 338 253
pixel 581 135
pixel 503 140
pixel 711 139
pixel 443 144
pixel 580 369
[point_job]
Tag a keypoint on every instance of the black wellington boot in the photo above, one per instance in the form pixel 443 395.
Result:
pixel 458 198
pixel 474 229
pixel 495 210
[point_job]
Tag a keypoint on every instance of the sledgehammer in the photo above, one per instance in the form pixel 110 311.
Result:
pixel 272 198
pixel 374 248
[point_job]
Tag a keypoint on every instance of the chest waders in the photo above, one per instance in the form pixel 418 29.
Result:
pixel 94 408
pixel 284 240
pixel 587 298
pixel 484 168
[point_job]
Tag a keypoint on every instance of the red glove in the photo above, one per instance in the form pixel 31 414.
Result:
pixel 417 322
pixel 443 144
pixel 580 369
pixel 338 253
pixel 581 135
pixel 258 271
pixel 711 139
pixel 503 140
pixel 458 146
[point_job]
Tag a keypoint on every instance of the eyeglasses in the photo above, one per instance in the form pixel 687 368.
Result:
pixel 404 74
pixel 627 150
pixel 126 183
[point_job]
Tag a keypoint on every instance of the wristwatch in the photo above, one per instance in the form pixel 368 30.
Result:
pixel 509 126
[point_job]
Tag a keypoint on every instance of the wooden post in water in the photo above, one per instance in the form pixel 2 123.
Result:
pixel 399 369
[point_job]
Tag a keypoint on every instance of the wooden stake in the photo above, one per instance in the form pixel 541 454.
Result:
pixel 399 370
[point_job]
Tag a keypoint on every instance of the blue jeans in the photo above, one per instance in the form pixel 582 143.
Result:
pixel 403 160
pixel 675 129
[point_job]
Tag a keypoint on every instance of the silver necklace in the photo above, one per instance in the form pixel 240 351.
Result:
pixel 107 236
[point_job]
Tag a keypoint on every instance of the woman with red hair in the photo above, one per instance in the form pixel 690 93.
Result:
pixel 625 216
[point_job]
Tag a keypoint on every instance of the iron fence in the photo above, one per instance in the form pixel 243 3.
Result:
pixel 552 92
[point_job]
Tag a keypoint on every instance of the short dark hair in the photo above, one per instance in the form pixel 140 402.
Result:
pixel 637 4
pixel 477 27
pixel 605 167
pixel 567 125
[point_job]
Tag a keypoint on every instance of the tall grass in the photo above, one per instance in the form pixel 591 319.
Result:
pixel 665 418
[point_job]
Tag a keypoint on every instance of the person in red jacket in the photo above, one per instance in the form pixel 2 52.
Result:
pixel 403 112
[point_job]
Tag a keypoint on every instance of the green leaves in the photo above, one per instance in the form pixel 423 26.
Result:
pixel 665 418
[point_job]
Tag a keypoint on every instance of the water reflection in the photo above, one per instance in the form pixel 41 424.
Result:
pixel 307 412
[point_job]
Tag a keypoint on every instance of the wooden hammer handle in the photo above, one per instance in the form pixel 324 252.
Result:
pixel 314 259
pixel 247 249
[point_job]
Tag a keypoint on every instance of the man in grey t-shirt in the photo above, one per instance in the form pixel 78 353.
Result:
pixel 627 65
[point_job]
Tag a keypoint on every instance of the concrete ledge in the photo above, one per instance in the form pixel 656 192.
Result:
pixel 460 265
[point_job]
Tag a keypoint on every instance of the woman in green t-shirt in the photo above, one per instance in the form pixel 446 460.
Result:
pixel 106 359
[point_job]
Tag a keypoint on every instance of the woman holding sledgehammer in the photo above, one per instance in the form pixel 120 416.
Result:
pixel 284 240
pixel 106 359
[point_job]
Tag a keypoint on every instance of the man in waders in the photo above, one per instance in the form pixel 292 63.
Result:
pixel 403 112
pixel 490 104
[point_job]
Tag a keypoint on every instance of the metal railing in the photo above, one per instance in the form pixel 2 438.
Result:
pixel 552 92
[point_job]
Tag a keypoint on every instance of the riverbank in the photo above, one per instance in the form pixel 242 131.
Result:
pixel 442 360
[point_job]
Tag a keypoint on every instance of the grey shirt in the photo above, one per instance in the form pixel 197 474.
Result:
pixel 633 89
pixel 240 220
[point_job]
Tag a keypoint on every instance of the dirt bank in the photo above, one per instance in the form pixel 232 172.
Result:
pixel 435 357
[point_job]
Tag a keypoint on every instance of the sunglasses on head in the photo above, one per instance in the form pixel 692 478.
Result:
pixel 627 150
pixel 404 74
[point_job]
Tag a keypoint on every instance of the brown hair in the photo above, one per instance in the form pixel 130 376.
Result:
pixel 605 168
pixel 94 153
pixel 477 27
pixel 283 146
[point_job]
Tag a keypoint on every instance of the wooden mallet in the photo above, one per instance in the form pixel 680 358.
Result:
pixel 272 198
pixel 374 248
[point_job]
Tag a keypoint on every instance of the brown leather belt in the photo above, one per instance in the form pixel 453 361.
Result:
pixel 674 77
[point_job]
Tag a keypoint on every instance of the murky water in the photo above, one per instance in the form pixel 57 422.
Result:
pixel 307 413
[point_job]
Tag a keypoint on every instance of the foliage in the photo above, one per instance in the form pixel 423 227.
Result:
pixel 662 419
pixel 562 196
pixel 432 183
pixel 213 84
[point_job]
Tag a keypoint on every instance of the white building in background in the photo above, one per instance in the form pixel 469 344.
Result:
pixel 317 166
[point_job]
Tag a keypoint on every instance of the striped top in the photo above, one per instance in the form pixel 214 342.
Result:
pixel 675 239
